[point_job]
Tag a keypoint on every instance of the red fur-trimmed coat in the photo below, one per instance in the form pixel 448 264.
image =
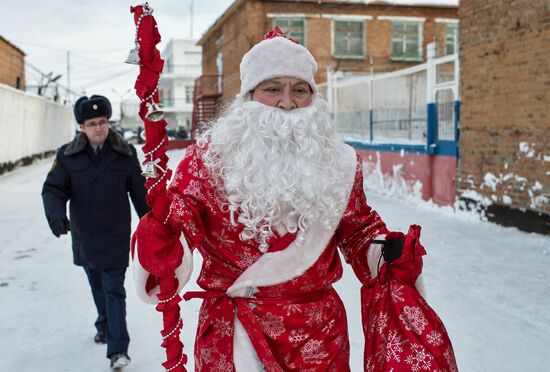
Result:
pixel 274 311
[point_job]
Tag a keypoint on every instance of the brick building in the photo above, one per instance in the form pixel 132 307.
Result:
pixel 346 35
pixel 12 65
pixel 505 115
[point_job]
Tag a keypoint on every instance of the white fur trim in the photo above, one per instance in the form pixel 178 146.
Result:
pixel 420 286
pixel 183 273
pixel 373 255
pixel 245 358
pixel 276 57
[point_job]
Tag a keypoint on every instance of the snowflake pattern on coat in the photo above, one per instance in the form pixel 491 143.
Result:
pixel 314 351
pixel 272 325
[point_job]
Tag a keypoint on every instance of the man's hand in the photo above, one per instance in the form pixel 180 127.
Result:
pixel 60 227
pixel 392 246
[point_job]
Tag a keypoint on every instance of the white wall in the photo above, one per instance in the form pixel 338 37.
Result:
pixel 182 66
pixel 30 125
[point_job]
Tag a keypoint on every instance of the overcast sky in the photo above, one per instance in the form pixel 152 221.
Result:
pixel 99 35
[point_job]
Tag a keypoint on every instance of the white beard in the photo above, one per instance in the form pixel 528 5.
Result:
pixel 276 167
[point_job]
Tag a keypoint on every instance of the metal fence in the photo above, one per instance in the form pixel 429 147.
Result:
pixel 400 106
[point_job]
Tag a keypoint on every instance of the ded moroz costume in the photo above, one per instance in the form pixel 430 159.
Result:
pixel 269 197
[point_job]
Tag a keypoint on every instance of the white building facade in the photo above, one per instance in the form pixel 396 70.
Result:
pixel 182 65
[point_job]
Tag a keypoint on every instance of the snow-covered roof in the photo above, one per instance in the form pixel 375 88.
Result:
pixel 433 3
pixel 449 3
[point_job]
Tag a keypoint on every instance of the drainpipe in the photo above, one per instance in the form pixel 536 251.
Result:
pixel 330 93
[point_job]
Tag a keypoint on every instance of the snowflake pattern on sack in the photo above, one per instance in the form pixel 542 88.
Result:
pixel 272 325
pixel 434 338
pixel 419 358
pixel 397 292
pixel 392 347
pixel 413 318
pixel 379 323
pixel 450 358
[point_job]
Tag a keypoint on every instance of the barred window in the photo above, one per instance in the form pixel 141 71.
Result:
pixel 451 38
pixel 406 41
pixel 349 39
pixel 295 28
pixel 189 93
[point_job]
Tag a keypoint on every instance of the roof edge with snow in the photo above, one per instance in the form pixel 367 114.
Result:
pixel 415 3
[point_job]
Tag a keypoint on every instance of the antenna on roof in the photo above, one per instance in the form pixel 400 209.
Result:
pixel 191 26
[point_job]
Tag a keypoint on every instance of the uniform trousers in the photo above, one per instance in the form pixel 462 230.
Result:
pixel 110 300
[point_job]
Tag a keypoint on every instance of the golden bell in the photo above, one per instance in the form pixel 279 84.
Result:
pixel 133 56
pixel 154 113
pixel 149 170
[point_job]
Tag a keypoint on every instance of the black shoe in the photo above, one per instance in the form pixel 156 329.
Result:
pixel 100 337
pixel 119 360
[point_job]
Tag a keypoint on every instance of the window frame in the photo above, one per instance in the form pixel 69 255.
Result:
pixel 451 42
pixel 363 39
pixel 420 32
pixel 189 93
pixel 289 19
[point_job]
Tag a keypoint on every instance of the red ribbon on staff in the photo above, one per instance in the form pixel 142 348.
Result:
pixel 155 168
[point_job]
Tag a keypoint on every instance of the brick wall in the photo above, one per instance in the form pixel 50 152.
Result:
pixel 12 65
pixel 505 94
pixel 245 27
pixel 235 36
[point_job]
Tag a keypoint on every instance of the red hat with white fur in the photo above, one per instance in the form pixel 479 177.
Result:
pixel 276 55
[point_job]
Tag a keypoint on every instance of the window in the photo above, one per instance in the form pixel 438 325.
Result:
pixel 348 39
pixel 189 93
pixel 451 38
pixel 165 96
pixel 406 41
pixel 295 28
pixel 219 67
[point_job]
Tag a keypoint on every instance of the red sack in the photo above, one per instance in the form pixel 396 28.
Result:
pixel 402 332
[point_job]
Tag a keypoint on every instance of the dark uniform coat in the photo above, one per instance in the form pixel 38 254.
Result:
pixel 97 187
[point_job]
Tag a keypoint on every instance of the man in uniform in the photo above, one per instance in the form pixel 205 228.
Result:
pixel 96 172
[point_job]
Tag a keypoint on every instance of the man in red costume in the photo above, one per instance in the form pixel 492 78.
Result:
pixel 267 195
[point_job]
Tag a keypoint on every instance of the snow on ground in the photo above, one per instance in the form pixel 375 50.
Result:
pixel 489 284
